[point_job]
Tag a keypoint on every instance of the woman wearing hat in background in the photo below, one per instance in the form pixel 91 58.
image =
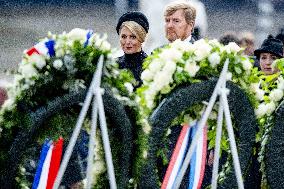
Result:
pixel 132 28
pixel 270 50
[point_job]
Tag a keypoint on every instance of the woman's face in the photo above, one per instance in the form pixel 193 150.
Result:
pixel 129 42
pixel 265 61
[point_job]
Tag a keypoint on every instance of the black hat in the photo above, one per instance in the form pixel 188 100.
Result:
pixel 270 45
pixel 135 16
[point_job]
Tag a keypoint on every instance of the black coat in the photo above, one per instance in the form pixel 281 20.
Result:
pixel 133 62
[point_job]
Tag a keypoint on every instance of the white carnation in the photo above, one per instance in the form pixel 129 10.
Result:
pixel 247 65
pixel 276 95
pixel 147 75
pixel 191 68
pixel 214 59
pixel 57 64
pixel 38 60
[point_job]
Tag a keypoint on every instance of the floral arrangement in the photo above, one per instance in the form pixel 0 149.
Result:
pixel 180 63
pixel 58 65
pixel 269 92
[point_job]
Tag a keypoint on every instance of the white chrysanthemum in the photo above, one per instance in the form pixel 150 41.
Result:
pixel 247 65
pixel 171 54
pixel 261 110
pixel 259 94
pixel 37 60
pixel 191 68
pixel 147 75
pixel 214 59
pixel 57 64
pixel 270 107
pixel 28 70
pixel 201 49
pixel 232 47
pixel 77 34
pixel 129 87
pixel 276 95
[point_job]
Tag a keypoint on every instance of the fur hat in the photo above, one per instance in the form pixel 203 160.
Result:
pixel 135 16
pixel 270 45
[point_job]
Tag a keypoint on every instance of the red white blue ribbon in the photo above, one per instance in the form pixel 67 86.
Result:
pixel 48 165
pixel 197 162
pixel 45 47
pixel 198 159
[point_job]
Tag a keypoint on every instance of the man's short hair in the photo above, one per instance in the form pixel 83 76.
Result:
pixel 189 10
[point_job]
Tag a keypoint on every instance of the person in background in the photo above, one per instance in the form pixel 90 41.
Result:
pixel 179 21
pixel 228 37
pixel 270 50
pixel 247 41
pixel 132 28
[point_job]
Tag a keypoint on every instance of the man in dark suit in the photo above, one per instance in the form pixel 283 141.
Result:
pixel 179 21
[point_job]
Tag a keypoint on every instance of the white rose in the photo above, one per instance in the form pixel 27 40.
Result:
pixel 57 64
pixel 215 43
pixel 254 87
pixel 247 65
pixel 181 45
pixel 28 70
pixel 261 110
pixel 214 59
pixel 276 95
pixel 259 94
pixel 201 49
pixel 191 68
pixel 147 75
pixel 162 79
pixel 170 68
pixel 280 82
pixel 270 107
pixel 105 46
pixel 129 87
pixel 38 60
pixel 171 54
pixel 77 34
pixel 232 47
pixel 155 66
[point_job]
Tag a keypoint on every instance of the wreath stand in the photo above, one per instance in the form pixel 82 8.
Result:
pixel 222 91
pixel 98 108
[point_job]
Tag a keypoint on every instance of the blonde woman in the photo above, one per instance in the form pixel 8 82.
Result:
pixel 132 28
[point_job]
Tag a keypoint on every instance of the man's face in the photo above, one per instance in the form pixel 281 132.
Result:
pixel 176 26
